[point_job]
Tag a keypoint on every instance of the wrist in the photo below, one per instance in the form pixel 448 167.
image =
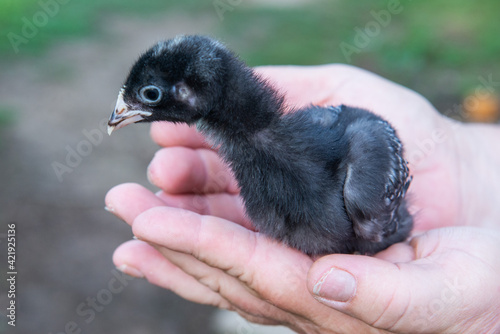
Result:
pixel 479 177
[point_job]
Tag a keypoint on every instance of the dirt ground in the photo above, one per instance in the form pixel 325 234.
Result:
pixel 57 163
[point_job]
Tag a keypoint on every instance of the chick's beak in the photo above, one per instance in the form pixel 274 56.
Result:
pixel 123 115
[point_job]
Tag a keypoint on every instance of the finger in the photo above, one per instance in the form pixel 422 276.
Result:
pixel 169 134
pixel 159 271
pixel 372 290
pixel 401 297
pixel 229 287
pixel 223 205
pixel 179 229
pixel 179 170
pixel 241 253
pixel 400 252
pixel 128 200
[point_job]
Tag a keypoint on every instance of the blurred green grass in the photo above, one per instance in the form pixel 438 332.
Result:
pixel 8 116
pixel 69 19
pixel 438 48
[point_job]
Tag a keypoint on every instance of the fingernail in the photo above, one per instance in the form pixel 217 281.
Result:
pixel 131 271
pixel 109 209
pixel 336 285
pixel 149 175
pixel 112 210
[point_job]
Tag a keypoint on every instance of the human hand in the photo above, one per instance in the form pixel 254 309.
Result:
pixel 210 260
pixel 445 281
pixel 193 178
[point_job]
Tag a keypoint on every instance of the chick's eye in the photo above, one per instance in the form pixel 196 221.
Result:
pixel 150 94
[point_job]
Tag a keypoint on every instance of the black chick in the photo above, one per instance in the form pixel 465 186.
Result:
pixel 321 180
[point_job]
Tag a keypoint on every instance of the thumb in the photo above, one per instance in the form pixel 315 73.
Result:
pixel 401 297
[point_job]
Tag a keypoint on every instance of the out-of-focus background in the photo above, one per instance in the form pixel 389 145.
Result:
pixel 62 63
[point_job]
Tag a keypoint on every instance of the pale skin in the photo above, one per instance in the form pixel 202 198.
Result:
pixel 195 240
